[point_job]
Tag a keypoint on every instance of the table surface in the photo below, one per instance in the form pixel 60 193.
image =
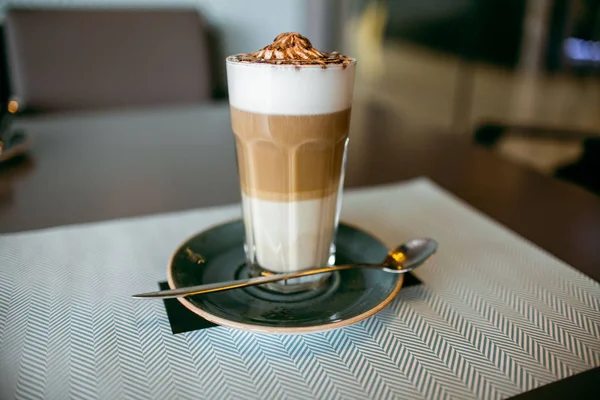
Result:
pixel 95 166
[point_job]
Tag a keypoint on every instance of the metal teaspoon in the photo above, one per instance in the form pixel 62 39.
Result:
pixel 400 260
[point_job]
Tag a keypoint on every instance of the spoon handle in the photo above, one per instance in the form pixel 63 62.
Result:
pixel 240 283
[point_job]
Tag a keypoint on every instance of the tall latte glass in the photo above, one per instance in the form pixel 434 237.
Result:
pixel 290 112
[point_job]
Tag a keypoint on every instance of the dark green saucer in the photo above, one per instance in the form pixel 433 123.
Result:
pixel 348 296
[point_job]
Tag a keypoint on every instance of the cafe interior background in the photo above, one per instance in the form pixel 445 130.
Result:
pixel 516 78
pixel 519 77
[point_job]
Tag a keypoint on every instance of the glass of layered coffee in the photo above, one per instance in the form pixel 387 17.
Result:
pixel 290 112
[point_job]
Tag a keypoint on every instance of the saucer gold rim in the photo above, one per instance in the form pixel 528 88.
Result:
pixel 278 330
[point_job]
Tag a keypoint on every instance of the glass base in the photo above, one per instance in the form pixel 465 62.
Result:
pixel 295 285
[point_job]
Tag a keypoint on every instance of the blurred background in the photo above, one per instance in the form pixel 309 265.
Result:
pixel 517 76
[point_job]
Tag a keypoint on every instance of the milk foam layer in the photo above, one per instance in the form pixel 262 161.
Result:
pixel 289 236
pixel 289 90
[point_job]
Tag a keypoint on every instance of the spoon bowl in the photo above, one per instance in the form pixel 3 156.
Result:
pixel 409 255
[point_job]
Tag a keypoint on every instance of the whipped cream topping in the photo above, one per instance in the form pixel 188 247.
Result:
pixel 292 48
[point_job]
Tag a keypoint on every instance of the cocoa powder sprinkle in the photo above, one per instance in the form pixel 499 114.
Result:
pixel 292 48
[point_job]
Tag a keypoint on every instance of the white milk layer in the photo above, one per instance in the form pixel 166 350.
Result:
pixel 289 90
pixel 289 236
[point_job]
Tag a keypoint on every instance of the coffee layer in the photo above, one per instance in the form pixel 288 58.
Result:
pixel 290 158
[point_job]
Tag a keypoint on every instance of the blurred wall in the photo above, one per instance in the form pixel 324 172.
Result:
pixel 243 25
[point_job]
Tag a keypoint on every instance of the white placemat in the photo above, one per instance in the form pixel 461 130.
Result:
pixel 495 316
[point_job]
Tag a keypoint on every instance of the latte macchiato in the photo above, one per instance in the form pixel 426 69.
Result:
pixel 290 112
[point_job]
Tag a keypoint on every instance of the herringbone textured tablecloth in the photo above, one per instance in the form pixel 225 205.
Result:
pixel 495 316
